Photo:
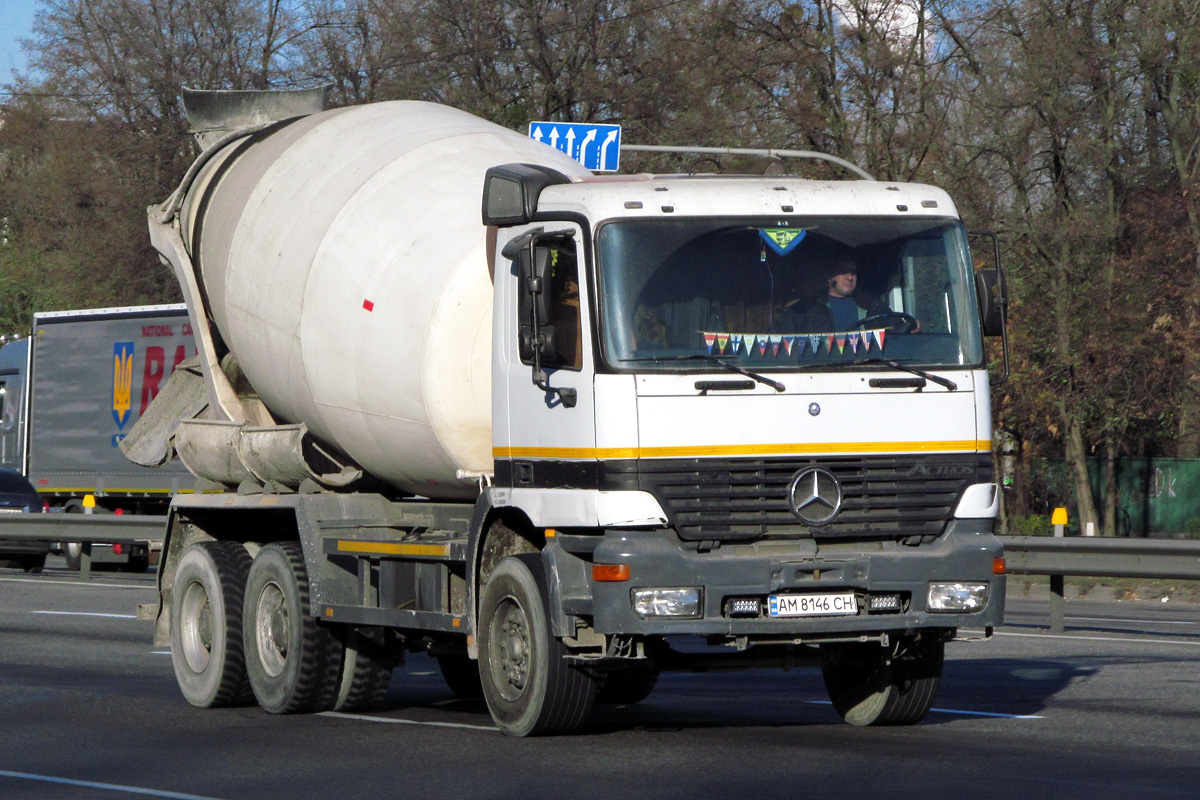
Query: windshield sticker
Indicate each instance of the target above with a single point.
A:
(782, 240)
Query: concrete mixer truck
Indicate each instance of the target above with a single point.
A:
(610, 427)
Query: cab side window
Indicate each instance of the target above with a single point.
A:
(562, 327)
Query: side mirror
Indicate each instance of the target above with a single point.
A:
(992, 291)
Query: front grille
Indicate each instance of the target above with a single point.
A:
(884, 497)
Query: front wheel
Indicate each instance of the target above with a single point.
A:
(870, 686)
(529, 686)
(294, 663)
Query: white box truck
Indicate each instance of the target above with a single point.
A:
(70, 392)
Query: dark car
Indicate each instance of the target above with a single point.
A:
(18, 495)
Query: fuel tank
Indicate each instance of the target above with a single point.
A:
(342, 259)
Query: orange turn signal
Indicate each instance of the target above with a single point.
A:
(998, 566)
(610, 572)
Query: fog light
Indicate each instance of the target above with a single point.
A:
(885, 602)
(744, 607)
(681, 602)
(949, 597)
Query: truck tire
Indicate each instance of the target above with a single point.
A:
(33, 564)
(869, 688)
(294, 663)
(627, 686)
(529, 686)
(461, 675)
(366, 673)
(137, 564)
(206, 624)
(73, 553)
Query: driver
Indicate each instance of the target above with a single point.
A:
(841, 307)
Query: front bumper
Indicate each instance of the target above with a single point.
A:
(966, 552)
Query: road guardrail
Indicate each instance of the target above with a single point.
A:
(87, 529)
(1059, 557)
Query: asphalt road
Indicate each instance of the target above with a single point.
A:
(89, 709)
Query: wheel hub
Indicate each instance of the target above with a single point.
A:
(513, 643)
(196, 627)
(272, 629)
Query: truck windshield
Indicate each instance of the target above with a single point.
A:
(786, 294)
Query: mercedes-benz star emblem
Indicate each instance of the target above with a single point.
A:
(815, 496)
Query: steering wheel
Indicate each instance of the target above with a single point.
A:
(894, 321)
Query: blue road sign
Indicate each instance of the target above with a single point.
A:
(597, 147)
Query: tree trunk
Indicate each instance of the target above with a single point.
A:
(1110, 487)
(1077, 463)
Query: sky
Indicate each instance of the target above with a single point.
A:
(16, 20)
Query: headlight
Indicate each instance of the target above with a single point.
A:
(950, 597)
(681, 602)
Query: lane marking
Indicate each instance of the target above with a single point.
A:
(953, 711)
(390, 721)
(1138, 621)
(85, 614)
(78, 583)
(1127, 640)
(112, 787)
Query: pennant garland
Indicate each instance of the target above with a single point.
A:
(733, 343)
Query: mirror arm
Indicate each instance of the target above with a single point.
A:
(568, 396)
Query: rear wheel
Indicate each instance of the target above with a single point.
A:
(366, 671)
(529, 686)
(206, 624)
(294, 664)
(870, 686)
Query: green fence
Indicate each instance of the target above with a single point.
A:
(1155, 496)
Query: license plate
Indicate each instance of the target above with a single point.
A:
(811, 605)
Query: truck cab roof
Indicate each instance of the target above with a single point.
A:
(603, 198)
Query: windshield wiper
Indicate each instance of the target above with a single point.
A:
(938, 379)
(711, 359)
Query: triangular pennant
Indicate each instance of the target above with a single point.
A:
(762, 344)
(800, 340)
(829, 343)
(722, 342)
(841, 343)
(735, 340)
(710, 339)
(777, 340)
(815, 341)
(879, 337)
(782, 240)
(854, 342)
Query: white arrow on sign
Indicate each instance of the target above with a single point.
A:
(587, 139)
(608, 140)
